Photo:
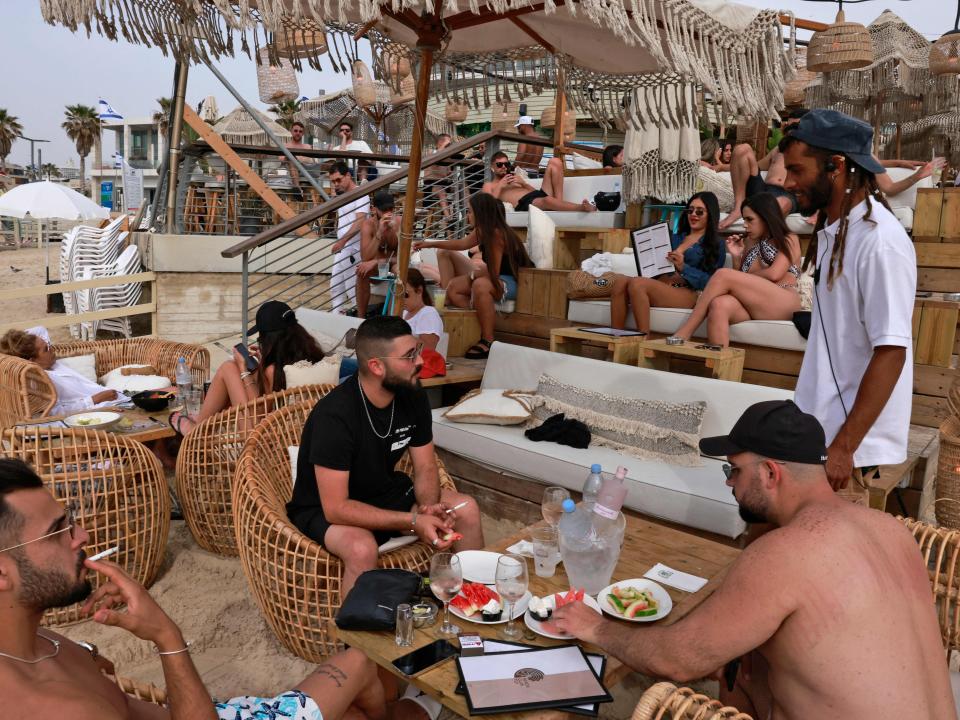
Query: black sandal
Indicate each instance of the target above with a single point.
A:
(480, 351)
(176, 425)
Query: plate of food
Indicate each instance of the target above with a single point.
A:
(481, 604)
(636, 600)
(540, 610)
(479, 566)
(92, 420)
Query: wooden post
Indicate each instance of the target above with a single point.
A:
(559, 110)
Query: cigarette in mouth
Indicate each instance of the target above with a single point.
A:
(456, 507)
(105, 554)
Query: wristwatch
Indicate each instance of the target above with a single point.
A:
(90, 648)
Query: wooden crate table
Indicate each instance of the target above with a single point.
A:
(935, 329)
(144, 426)
(569, 243)
(460, 371)
(645, 544)
(570, 340)
(463, 328)
(724, 364)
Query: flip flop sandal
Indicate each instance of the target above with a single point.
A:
(175, 420)
(479, 351)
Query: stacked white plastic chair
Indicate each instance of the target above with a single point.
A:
(87, 249)
(113, 296)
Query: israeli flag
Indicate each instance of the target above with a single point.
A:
(106, 112)
(117, 161)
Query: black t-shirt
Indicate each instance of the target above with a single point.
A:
(338, 436)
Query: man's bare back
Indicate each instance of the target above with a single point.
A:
(862, 638)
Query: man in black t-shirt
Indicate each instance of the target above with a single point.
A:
(348, 497)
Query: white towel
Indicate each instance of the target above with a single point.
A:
(597, 265)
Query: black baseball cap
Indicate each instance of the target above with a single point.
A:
(776, 429)
(272, 316)
(838, 132)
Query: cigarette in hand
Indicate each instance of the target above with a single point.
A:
(105, 554)
(455, 507)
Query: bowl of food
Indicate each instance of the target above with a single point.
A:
(153, 400)
(424, 614)
(93, 420)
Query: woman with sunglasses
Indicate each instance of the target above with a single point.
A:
(419, 312)
(765, 287)
(698, 252)
(482, 285)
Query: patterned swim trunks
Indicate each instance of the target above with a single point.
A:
(294, 705)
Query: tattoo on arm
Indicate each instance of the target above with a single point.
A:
(333, 672)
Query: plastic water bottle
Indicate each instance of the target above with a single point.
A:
(184, 381)
(575, 523)
(606, 510)
(591, 488)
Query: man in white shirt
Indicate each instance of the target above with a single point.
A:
(346, 139)
(350, 217)
(857, 371)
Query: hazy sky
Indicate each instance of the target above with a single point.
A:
(48, 67)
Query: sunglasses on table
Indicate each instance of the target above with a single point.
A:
(696, 211)
(69, 521)
(409, 357)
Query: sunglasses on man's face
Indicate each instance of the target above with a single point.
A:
(501, 164)
(698, 212)
(346, 130)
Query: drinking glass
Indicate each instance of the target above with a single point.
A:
(546, 550)
(552, 507)
(446, 579)
(512, 581)
(194, 399)
(383, 268)
(404, 629)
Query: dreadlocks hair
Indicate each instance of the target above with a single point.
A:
(856, 179)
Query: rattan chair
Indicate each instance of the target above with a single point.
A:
(140, 690)
(208, 458)
(666, 701)
(27, 393)
(940, 548)
(116, 488)
(295, 582)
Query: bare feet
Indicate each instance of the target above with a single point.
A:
(587, 206)
(729, 219)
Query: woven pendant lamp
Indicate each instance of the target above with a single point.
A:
(456, 112)
(276, 83)
(504, 116)
(296, 43)
(842, 46)
(364, 91)
(945, 52)
(548, 119)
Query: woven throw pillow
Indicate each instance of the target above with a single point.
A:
(304, 372)
(645, 429)
(491, 407)
(128, 384)
(86, 365)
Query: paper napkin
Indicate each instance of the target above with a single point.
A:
(674, 578)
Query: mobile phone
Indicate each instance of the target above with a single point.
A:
(247, 357)
(708, 346)
(420, 659)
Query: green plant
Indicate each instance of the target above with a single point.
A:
(10, 130)
(83, 127)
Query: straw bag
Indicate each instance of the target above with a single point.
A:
(581, 284)
(948, 474)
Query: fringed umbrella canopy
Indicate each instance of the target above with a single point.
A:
(940, 132)
(240, 128)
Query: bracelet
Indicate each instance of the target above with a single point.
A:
(244, 375)
(182, 650)
(413, 519)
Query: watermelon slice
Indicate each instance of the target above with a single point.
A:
(570, 597)
(472, 597)
(640, 608)
(464, 605)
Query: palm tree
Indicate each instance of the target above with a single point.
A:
(286, 112)
(10, 130)
(162, 116)
(83, 127)
(49, 170)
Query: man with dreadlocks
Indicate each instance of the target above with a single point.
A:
(857, 371)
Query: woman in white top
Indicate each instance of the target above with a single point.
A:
(419, 312)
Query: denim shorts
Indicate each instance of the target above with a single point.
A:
(509, 287)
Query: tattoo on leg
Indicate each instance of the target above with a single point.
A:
(333, 672)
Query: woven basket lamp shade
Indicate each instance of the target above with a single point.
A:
(456, 112)
(364, 90)
(300, 43)
(396, 66)
(945, 54)
(407, 94)
(276, 83)
(842, 46)
(548, 119)
(504, 115)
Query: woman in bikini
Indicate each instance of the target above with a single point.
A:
(698, 252)
(765, 287)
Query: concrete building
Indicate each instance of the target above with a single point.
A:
(142, 145)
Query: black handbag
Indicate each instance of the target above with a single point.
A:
(372, 603)
(801, 320)
(607, 201)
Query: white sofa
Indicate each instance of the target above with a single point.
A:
(578, 189)
(693, 496)
(334, 325)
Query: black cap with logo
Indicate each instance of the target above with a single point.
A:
(776, 429)
(273, 316)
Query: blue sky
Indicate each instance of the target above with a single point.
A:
(48, 67)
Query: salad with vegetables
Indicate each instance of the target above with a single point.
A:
(631, 602)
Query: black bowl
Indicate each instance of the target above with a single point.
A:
(152, 400)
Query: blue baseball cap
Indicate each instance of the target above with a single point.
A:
(838, 132)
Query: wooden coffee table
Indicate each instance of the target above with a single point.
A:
(570, 340)
(645, 544)
(724, 364)
(144, 426)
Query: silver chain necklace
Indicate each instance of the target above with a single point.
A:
(56, 651)
(363, 399)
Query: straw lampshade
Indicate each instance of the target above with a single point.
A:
(364, 90)
(504, 115)
(408, 92)
(396, 66)
(842, 46)
(300, 43)
(276, 83)
(456, 112)
(945, 52)
(548, 119)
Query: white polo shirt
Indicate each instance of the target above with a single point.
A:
(347, 215)
(870, 304)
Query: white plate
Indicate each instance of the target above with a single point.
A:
(537, 626)
(659, 594)
(100, 420)
(519, 608)
(479, 566)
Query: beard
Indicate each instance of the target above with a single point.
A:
(400, 385)
(816, 197)
(44, 589)
(752, 510)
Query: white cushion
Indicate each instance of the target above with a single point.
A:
(294, 452)
(907, 198)
(489, 407)
(129, 384)
(905, 216)
(324, 372)
(796, 224)
(765, 333)
(86, 365)
(604, 220)
(541, 233)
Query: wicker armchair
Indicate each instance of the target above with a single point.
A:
(295, 582)
(116, 488)
(940, 548)
(208, 458)
(140, 690)
(26, 392)
(665, 700)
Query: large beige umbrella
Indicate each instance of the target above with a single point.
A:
(240, 128)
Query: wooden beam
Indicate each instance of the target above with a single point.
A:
(62, 320)
(246, 173)
(41, 290)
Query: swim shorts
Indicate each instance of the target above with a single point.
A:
(293, 705)
(756, 184)
(523, 204)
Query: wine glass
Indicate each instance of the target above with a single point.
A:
(446, 579)
(552, 507)
(512, 581)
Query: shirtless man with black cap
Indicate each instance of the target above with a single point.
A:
(829, 615)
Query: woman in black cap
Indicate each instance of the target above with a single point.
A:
(282, 341)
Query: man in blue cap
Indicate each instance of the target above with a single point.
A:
(857, 371)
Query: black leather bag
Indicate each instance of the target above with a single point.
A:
(372, 603)
(607, 201)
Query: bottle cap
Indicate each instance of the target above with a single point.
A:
(595, 468)
(183, 360)
(569, 505)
